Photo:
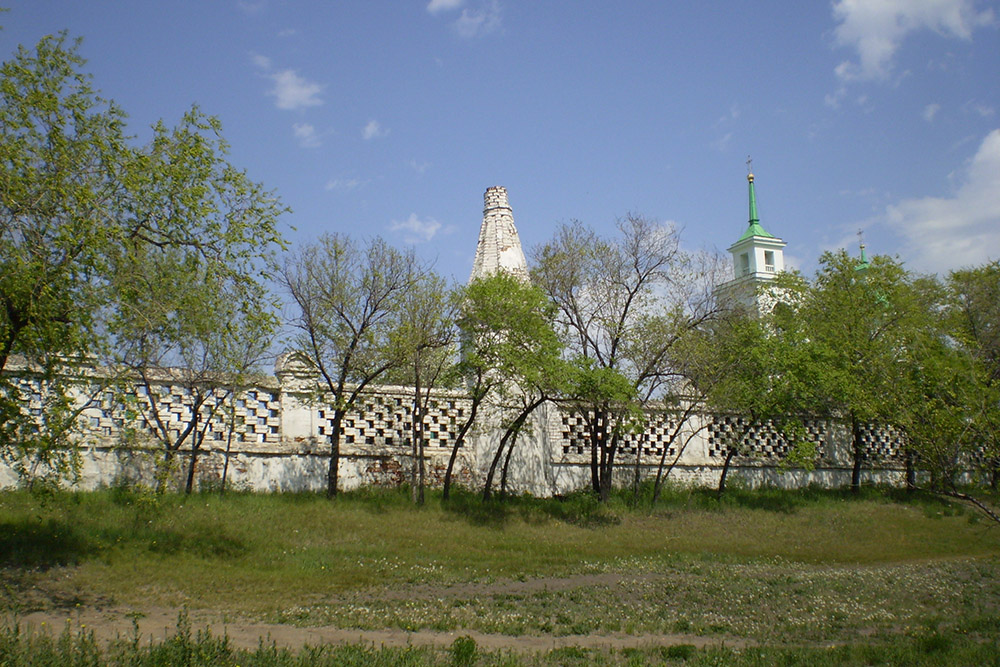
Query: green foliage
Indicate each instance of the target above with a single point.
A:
(510, 353)
(507, 333)
(622, 305)
(743, 366)
(974, 299)
(101, 240)
(973, 317)
(350, 301)
(464, 651)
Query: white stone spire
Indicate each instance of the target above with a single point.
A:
(499, 247)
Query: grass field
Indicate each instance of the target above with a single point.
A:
(803, 577)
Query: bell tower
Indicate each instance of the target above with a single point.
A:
(757, 257)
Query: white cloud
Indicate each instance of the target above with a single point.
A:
(420, 167)
(930, 111)
(343, 184)
(479, 21)
(306, 134)
(415, 229)
(435, 6)
(876, 28)
(833, 99)
(373, 130)
(290, 90)
(252, 7)
(722, 143)
(294, 92)
(287, 32)
(944, 233)
(978, 108)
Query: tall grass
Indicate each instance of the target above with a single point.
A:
(201, 649)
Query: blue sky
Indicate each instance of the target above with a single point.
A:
(393, 117)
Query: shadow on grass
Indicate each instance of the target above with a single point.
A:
(788, 501)
(42, 543)
(580, 509)
(202, 544)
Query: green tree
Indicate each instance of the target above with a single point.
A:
(974, 313)
(757, 374)
(184, 324)
(80, 204)
(974, 300)
(349, 301)
(506, 333)
(424, 338)
(622, 304)
(510, 357)
(950, 396)
(855, 321)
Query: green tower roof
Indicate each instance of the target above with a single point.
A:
(864, 264)
(754, 228)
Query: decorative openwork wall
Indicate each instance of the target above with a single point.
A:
(275, 435)
(386, 419)
(762, 440)
(575, 436)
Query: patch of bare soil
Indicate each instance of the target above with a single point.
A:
(158, 623)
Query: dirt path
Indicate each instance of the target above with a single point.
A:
(157, 624)
(108, 622)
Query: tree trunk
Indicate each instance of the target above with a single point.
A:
(515, 426)
(911, 473)
(857, 455)
(734, 450)
(662, 475)
(595, 448)
(416, 491)
(725, 471)
(331, 475)
(195, 445)
(659, 472)
(608, 468)
(487, 490)
(506, 461)
(638, 463)
(459, 441)
(229, 443)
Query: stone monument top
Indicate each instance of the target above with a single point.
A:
(499, 247)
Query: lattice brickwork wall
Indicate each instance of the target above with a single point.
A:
(764, 440)
(882, 443)
(387, 420)
(574, 435)
(255, 415)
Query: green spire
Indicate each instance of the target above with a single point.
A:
(754, 229)
(863, 265)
